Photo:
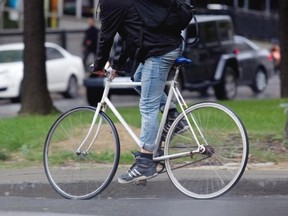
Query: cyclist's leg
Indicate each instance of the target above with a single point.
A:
(173, 113)
(153, 75)
(137, 78)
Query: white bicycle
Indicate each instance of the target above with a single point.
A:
(82, 149)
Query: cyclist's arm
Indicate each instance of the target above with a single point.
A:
(111, 21)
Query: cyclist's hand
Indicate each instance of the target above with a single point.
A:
(114, 74)
(100, 73)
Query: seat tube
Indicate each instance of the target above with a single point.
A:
(164, 115)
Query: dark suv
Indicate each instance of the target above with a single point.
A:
(214, 63)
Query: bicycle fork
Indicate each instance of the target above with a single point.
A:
(80, 150)
(100, 106)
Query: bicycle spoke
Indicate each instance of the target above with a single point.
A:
(81, 173)
(224, 152)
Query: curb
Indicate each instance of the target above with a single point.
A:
(258, 180)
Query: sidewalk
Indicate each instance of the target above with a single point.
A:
(258, 179)
(37, 174)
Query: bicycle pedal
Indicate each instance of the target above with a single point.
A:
(140, 182)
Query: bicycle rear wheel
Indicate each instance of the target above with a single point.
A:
(215, 171)
(81, 174)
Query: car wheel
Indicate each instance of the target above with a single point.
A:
(94, 95)
(260, 81)
(72, 89)
(227, 88)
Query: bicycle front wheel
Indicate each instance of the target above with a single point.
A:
(220, 164)
(81, 173)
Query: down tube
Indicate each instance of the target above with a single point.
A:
(123, 122)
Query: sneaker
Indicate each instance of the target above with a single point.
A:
(144, 168)
(182, 125)
(136, 154)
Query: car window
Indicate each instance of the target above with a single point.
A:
(7, 56)
(52, 53)
(209, 33)
(225, 31)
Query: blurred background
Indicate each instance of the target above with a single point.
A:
(66, 20)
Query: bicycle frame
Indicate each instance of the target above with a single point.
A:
(173, 91)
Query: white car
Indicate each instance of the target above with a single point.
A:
(65, 72)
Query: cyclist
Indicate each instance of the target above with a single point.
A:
(156, 51)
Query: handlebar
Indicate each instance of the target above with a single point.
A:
(108, 71)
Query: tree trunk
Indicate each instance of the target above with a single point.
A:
(35, 98)
(283, 25)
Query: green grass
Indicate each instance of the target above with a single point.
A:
(261, 116)
(22, 138)
(265, 122)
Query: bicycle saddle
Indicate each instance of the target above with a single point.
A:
(182, 60)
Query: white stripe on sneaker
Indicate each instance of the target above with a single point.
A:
(137, 172)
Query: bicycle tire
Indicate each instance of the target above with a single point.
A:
(214, 172)
(81, 175)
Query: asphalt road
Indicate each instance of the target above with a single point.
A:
(228, 206)
(262, 191)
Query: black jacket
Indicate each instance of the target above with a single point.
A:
(121, 17)
(91, 34)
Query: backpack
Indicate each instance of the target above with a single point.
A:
(175, 14)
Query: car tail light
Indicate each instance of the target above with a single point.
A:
(236, 51)
(270, 57)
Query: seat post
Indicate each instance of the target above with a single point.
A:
(176, 73)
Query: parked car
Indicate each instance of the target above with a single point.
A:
(65, 72)
(256, 64)
(220, 60)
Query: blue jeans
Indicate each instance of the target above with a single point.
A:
(153, 76)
